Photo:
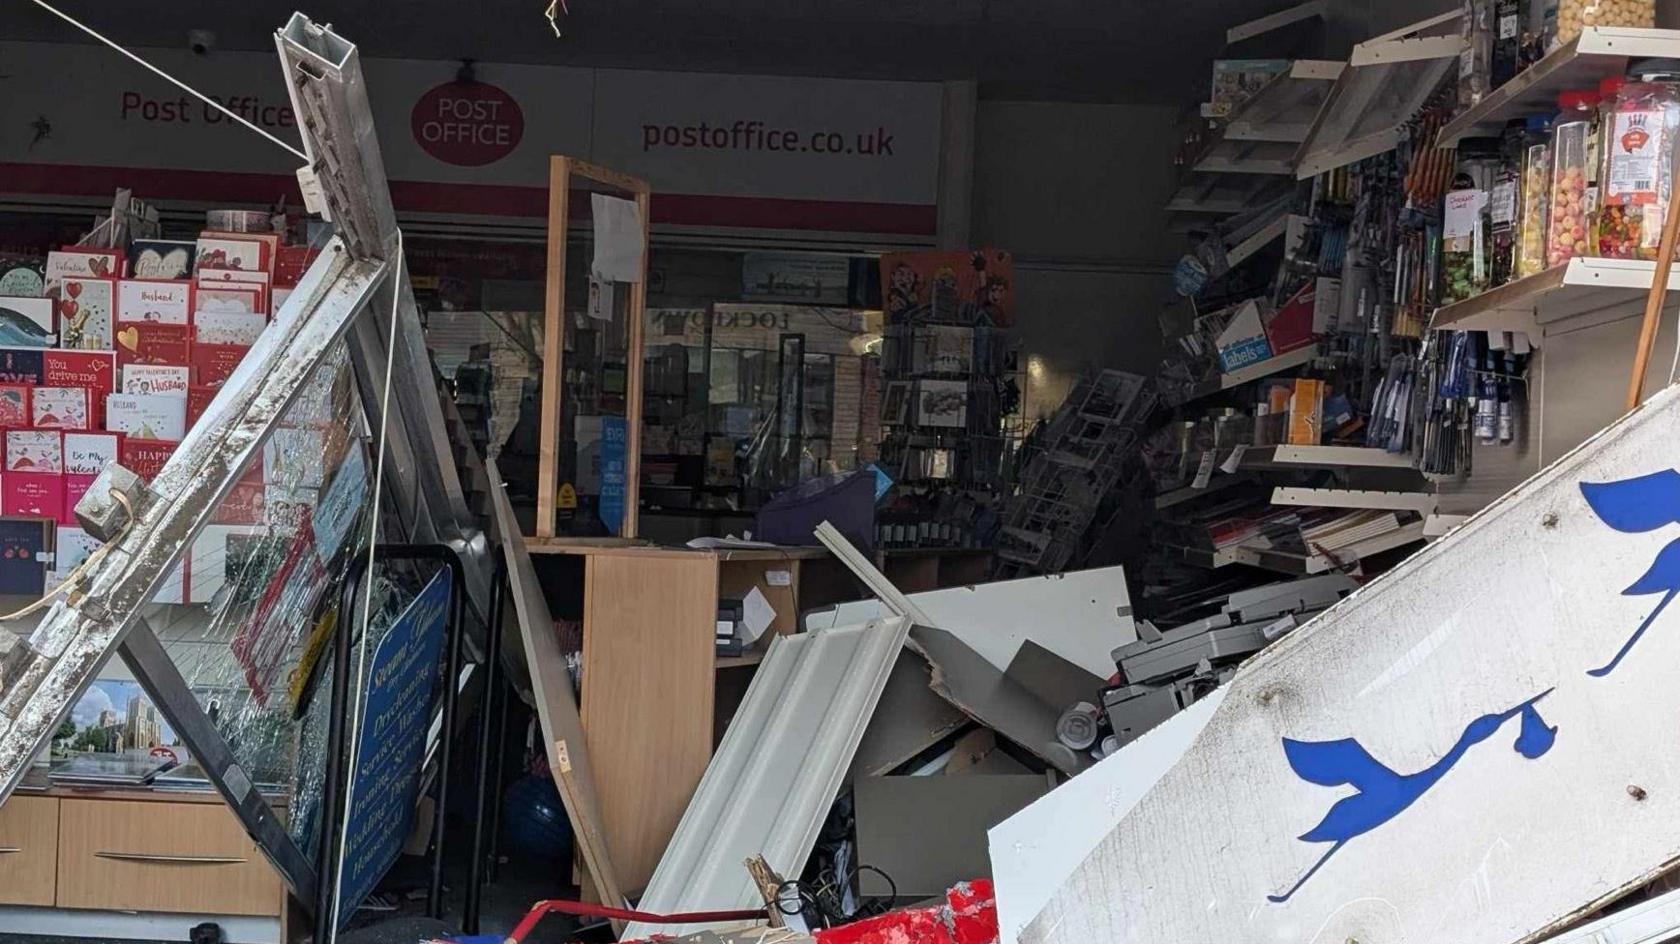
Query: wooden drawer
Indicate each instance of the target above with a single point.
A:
(28, 850)
(190, 858)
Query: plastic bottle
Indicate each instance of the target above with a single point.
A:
(1567, 216)
(1536, 196)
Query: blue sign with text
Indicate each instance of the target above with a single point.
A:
(400, 688)
(613, 441)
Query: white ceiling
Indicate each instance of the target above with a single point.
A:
(1065, 50)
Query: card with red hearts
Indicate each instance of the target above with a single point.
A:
(86, 313)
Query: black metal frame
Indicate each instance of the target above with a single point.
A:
(333, 791)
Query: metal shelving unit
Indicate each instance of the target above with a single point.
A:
(1599, 52)
(1388, 78)
(1579, 289)
(1284, 562)
(1256, 371)
(1179, 496)
(1284, 109)
(1324, 457)
(1421, 502)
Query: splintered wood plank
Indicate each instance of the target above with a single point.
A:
(648, 677)
(557, 711)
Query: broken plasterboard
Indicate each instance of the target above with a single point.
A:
(1406, 766)
(1081, 616)
(551, 689)
(929, 833)
(1051, 678)
(909, 719)
(778, 770)
(981, 690)
(1034, 851)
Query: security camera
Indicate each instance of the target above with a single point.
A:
(201, 42)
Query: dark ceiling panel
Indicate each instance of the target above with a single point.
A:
(1072, 50)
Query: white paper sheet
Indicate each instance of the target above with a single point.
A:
(618, 239)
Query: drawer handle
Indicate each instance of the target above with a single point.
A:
(171, 859)
(4, 850)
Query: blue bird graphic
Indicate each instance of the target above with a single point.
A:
(1383, 793)
(1635, 505)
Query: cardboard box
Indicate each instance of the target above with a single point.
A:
(1306, 413)
(1243, 342)
(1291, 326)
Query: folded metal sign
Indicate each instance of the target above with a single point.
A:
(1473, 748)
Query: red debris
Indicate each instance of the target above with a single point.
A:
(969, 916)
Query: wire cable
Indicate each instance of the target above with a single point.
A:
(168, 78)
(354, 734)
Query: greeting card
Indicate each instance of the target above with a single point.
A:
(226, 297)
(154, 300)
(73, 547)
(95, 370)
(86, 263)
(86, 309)
(27, 322)
(36, 494)
(198, 400)
(34, 450)
(26, 545)
(291, 262)
(231, 251)
(14, 405)
(227, 327)
(154, 344)
(22, 365)
(75, 486)
(246, 503)
(162, 258)
(88, 452)
(154, 416)
(21, 278)
(216, 560)
(156, 378)
(277, 297)
(145, 457)
(60, 408)
(237, 278)
(215, 363)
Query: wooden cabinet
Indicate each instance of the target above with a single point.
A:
(145, 855)
(28, 850)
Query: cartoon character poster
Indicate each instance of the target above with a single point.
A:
(957, 287)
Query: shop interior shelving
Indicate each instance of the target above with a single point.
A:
(1599, 52)
(1568, 294)
(1256, 371)
(1387, 79)
(1355, 498)
(1286, 562)
(1260, 158)
(1218, 483)
(1312, 9)
(1283, 109)
(1323, 457)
